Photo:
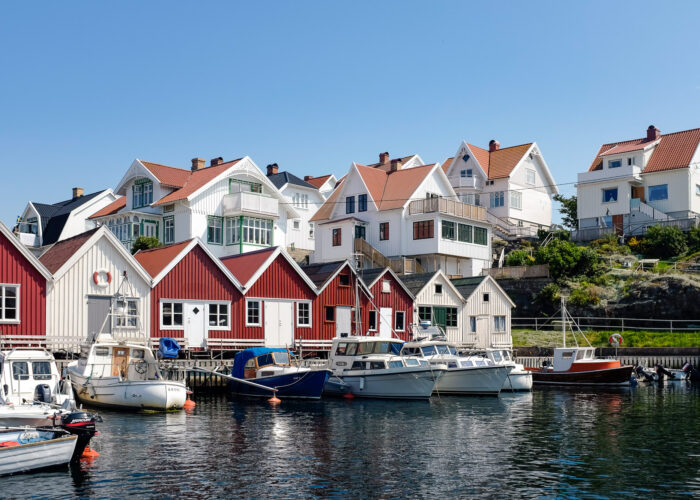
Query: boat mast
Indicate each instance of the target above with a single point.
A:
(563, 320)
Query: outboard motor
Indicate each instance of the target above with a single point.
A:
(42, 393)
(661, 372)
(643, 374)
(691, 373)
(82, 424)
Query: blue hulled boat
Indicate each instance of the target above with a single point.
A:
(275, 368)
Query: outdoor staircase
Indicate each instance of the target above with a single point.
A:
(653, 214)
(400, 265)
(507, 231)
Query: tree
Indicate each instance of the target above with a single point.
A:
(144, 243)
(664, 242)
(566, 260)
(568, 210)
(519, 257)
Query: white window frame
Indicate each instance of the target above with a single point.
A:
(396, 315)
(530, 176)
(17, 320)
(163, 326)
(697, 189)
(299, 324)
(209, 327)
(386, 286)
(260, 312)
(296, 224)
(169, 219)
(116, 320)
(610, 162)
(516, 200)
(499, 324)
(369, 323)
(472, 324)
(435, 285)
(617, 194)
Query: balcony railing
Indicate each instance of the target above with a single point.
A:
(449, 207)
(247, 203)
(467, 182)
(29, 239)
(626, 172)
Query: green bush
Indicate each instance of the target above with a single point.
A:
(561, 234)
(519, 258)
(693, 238)
(583, 297)
(549, 295)
(664, 242)
(144, 243)
(566, 260)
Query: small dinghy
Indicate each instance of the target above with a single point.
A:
(28, 449)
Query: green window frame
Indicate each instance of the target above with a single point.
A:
(232, 227)
(256, 231)
(480, 236)
(464, 233)
(255, 187)
(142, 193)
(215, 230)
(451, 317)
(169, 229)
(448, 230)
(425, 313)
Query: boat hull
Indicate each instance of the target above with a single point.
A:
(485, 380)
(29, 415)
(607, 376)
(34, 456)
(111, 392)
(335, 387)
(518, 380)
(299, 385)
(417, 384)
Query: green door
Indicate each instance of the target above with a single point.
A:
(439, 317)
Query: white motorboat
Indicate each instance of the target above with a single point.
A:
(372, 368)
(519, 379)
(27, 449)
(465, 375)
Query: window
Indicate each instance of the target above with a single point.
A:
(330, 314)
(218, 315)
(516, 199)
(530, 176)
(422, 230)
(296, 224)
(609, 195)
(142, 193)
(20, 370)
(486, 297)
(614, 163)
(464, 233)
(233, 231)
(304, 314)
(480, 236)
(499, 323)
(9, 303)
(472, 324)
(344, 280)
(168, 229)
(386, 286)
(360, 232)
(438, 288)
(463, 173)
(362, 203)
(448, 230)
(697, 189)
(383, 231)
(171, 314)
(451, 317)
(127, 313)
(400, 321)
(252, 314)
(41, 370)
(311, 230)
(659, 192)
(168, 208)
(372, 323)
(257, 231)
(607, 220)
(630, 161)
(425, 313)
(350, 205)
(237, 186)
(497, 199)
(337, 237)
(214, 230)
(465, 157)
(300, 200)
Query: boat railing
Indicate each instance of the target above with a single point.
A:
(314, 363)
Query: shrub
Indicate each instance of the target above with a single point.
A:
(583, 297)
(635, 245)
(664, 242)
(144, 243)
(566, 260)
(693, 237)
(549, 295)
(519, 258)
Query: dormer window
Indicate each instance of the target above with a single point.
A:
(465, 157)
(614, 163)
(142, 193)
(630, 161)
(466, 173)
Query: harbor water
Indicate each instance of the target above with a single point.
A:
(641, 442)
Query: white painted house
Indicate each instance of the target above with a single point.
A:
(231, 206)
(404, 214)
(514, 184)
(325, 184)
(637, 183)
(87, 271)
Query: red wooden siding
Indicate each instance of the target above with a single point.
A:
(397, 300)
(16, 269)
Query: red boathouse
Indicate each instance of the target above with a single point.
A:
(390, 311)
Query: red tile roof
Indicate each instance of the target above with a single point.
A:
(110, 209)
(446, 164)
(673, 151)
(500, 163)
(624, 148)
(168, 176)
(387, 166)
(326, 210)
(63, 250)
(245, 265)
(195, 181)
(157, 259)
(317, 182)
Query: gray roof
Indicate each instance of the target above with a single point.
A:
(54, 216)
(282, 178)
(466, 286)
(369, 275)
(416, 282)
(319, 273)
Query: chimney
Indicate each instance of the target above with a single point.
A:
(494, 145)
(198, 164)
(272, 169)
(653, 133)
(216, 161)
(396, 164)
(384, 158)
(77, 192)
(307, 178)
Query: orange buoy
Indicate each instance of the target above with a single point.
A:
(89, 453)
(348, 395)
(274, 400)
(189, 404)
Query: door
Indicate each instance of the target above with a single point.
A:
(279, 323)
(120, 361)
(98, 309)
(194, 324)
(343, 320)
(385, 322)
(617, 222)
(638, 192)
(150, 229)
(440, 317)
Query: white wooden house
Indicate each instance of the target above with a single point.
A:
(87, 271)
(324, 183)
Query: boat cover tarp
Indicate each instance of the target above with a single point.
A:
(168, 348)
(396, 347)
(242, 357)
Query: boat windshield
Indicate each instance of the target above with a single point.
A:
(497, 356)
(265, 360)
(41, 370)
(467, 364)
(412, 362)
(282, 358)
(443, 349)
(395, 364)
(376, 348)
(453, 350)
(506, 355)
(429, 350)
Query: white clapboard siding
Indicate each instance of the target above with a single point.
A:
(498, 305)
(448, 298)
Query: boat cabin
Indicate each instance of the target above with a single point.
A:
(256, 362)
(119, 359)
(575, 359)
(31, 375)
(344, 349)
(381, 363)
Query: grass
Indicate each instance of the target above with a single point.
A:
(599, 338)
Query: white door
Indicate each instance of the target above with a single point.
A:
(385, 322)
(194, 324)
(343, 321)
(279, 324)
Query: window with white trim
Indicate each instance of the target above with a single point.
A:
(252, 313)
(372, 322)
(218, 315)
(516, 200)
(168, 229)
(171, 314)
(400, 321)
(214, 230)
(386, 286)
(499, 323)
(610, 195)
(233, 230)
(497, 199)
(9, 303)
(530, 176)
(697, 189)
(304, 314)
(614, 163)
(472, 324)
(127, 313)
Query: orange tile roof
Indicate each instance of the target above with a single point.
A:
(317, 182)
(110, 209)
(245, 265)
(168, 176)
(500, 163)
(446, 164)
(195, 181)
(157, 259)
(387, 166)
(59, 254)
(674, 150)
(326, 210)
(624, 148)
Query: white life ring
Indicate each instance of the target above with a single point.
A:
(616, 338)
(102, 283)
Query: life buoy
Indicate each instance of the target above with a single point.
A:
(616, 338)
(102, 283)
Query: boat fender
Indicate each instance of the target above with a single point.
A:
(107, 280)
(362, 383)
(616, 338)
(7, 444)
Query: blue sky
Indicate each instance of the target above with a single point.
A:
(88, 87)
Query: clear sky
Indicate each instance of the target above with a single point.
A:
(87, 87)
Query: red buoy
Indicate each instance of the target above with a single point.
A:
(189, 404)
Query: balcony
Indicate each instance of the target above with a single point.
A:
(29, 239)
(467, 182)
(448, 207)
(247, 203)
(625, 173)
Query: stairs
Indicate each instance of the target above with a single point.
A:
(400, 265)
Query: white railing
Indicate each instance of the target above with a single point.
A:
(29, 239)
(252, 203)
(449, 207)
(467, 182)
(624, 172)
(648, 210)
(599, 323)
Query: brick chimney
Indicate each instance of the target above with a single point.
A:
(307, 178)
(653, 133)
(384, 158)
(494, 145)
(272, 169)
(216, 161)
(198, 164)
(396, 164)
(78, 192)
